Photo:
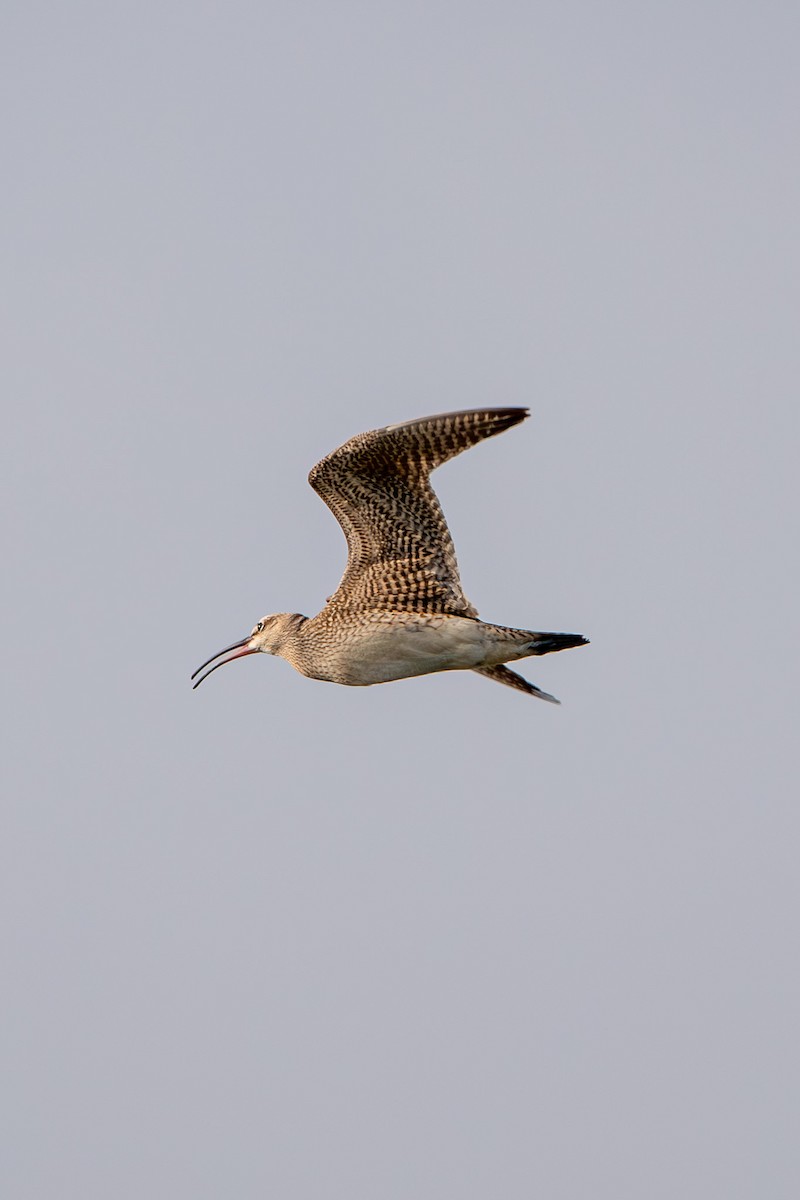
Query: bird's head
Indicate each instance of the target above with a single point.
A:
(266, 637)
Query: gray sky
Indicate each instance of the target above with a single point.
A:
(278, 938)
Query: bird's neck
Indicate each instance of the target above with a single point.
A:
(291, 625)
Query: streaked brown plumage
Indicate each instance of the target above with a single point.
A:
(400, 609)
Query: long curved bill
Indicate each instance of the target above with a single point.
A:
(236, 646)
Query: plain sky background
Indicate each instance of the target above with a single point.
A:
(433, 939)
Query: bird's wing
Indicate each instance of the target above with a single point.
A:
(401, 556)
(511, 679)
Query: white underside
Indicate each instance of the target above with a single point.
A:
(386, 651)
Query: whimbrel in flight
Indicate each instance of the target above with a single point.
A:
(400, 609)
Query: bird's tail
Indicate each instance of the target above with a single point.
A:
(520, 643)
(511, 644)
(547, 643)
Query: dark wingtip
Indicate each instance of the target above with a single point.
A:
(504, 418)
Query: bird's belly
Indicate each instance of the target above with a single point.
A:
(393, 649)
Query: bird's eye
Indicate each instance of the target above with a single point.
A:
(259, 626)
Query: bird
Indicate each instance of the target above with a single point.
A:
(399, 610)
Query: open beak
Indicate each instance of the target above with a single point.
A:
(243, 650)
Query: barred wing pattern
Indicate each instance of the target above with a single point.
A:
(401, 555)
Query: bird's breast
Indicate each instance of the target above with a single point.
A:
(380, 647)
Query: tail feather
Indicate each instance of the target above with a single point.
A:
(511, 679)
(547, 643)
(529, 643)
